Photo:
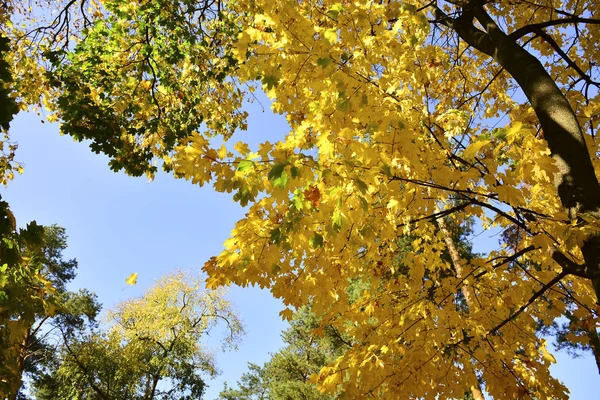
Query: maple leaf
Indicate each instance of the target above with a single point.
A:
(313, 195)
(132, 279)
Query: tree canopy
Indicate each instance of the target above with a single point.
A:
(36, 309)
(152, 349)
(401, 113)
(286, 375)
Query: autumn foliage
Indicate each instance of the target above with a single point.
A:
(404, 117)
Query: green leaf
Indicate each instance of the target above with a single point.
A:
(270, 81)
(387, 170)
(298, 200)
(294, 171)
(278, 176)
(361, 186)
(324, 62)
(316, 241)
(364, 204)
(412, 9)
(337, 219)
(343, 103)
(335, 10)
(501, 134)
(245, 165)
(276, 236)
(243, 195)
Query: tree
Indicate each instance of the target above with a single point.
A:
(152, 349)
(252, 385)
(34, 301)
(21, 286)
(310, 345)
(286, 374)
(7, 104)
(71, 313)
(400, 113)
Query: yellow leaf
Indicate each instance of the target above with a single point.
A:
(510, 195)
(514, 129)
(548, 356)
(332, 380)
(222, 153)
(132, 280)
(242, 148)
(474, 148)
(331, 35)
(286, 314)
(393, 203)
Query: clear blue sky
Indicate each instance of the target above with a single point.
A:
(118, 225)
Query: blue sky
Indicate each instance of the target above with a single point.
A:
(118, 225)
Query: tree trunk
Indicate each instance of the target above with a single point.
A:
(576, 181)
(466, 290)
(595, 345)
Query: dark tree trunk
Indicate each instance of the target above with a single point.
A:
(576, 182)
(595, 345)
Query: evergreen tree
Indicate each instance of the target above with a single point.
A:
(308, 348)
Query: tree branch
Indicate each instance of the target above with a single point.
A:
(569, 267)
(533, 298)
(463, 25)
(519, 33)
(566, 57)
(88, 376)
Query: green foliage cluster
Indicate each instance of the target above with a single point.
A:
(8, 105)
(8, 109)
(285, 375)
(36, 309)
(151, 350)
(145, 77)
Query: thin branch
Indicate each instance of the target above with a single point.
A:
(566, 58)
(438, 214)
(88, 376)
(519, 33)
(533, 298)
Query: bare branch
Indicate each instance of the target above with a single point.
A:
(533, 28)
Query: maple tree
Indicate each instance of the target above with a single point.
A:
(311, 345)
(152, 349)
(400, 114)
